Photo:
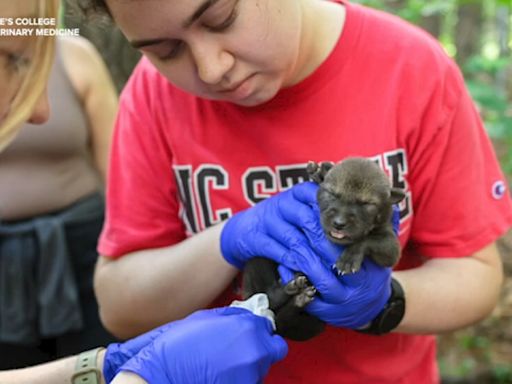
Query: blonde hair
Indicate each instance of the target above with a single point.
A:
(35, 80)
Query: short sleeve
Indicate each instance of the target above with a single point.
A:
(460, 197)
(142, 208)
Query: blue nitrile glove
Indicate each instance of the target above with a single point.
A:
(273, 228)
(349, 301)
(119, 353)
(228, 345)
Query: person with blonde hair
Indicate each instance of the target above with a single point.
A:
(51, 214)
(51, 195)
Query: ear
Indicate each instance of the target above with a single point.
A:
(397, 195)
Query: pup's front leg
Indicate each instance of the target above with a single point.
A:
(351, 259)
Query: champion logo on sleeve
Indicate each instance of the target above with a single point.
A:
(498, 189)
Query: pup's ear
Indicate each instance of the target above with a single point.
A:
(397, 195)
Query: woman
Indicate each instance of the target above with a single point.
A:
(51, 213)
(230, 102)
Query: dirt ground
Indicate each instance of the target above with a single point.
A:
(482, 354)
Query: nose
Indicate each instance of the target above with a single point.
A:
(41, 112)
(212, 61)
(339, 223)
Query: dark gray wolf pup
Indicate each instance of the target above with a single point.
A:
(355, 200)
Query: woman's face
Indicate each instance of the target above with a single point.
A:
(241, 51)
(15, 58)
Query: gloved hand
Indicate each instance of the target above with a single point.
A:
(274, 228)
(224, 345)
(349, 301)
(119, 353)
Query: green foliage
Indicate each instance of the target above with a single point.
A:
(482, 75)
(412, 10)
(485, 73)
(502, 374)
(470, 341)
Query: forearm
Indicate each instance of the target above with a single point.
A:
(448, 294)
(56, 372)
(128, 378)
(148, 288)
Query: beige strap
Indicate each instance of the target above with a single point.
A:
(86, 371)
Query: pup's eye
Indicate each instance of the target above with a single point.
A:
(331, 211)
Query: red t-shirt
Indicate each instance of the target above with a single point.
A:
(387, 91)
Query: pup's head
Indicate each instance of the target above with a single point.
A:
(354, 198)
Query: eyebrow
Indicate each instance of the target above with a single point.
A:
(196, 15)
(144, 43)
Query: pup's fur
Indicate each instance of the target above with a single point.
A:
(355, 199)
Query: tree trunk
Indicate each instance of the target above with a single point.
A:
(432, 24)
(395, 5)
(119, 56)
(504, 77)
(468, 31)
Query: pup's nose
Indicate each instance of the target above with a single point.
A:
(339, 223)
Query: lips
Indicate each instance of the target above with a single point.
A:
(234, 86)
(231, 89)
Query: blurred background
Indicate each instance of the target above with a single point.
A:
(477, 34)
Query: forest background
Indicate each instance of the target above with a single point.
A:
(477, 34)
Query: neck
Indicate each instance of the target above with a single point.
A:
(322, 25)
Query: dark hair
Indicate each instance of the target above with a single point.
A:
(94, 6)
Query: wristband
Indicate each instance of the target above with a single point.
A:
(392, 314)
(86, 371)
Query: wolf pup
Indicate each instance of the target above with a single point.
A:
(355, 200)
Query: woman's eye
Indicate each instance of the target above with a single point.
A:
(17, 62)
(173, 52)
(226, 23)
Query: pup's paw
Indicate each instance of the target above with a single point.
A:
(305, 297)
(350, 261)
(297, 285)
(301, 290)
(313, 171)
(317, 171)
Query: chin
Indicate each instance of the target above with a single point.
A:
(257, 98)
(250, 102)
(340, 241)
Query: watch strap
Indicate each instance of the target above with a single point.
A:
(86, 370)
(392, 313)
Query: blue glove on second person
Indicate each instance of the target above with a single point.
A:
(119, 353)
(223, 345)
